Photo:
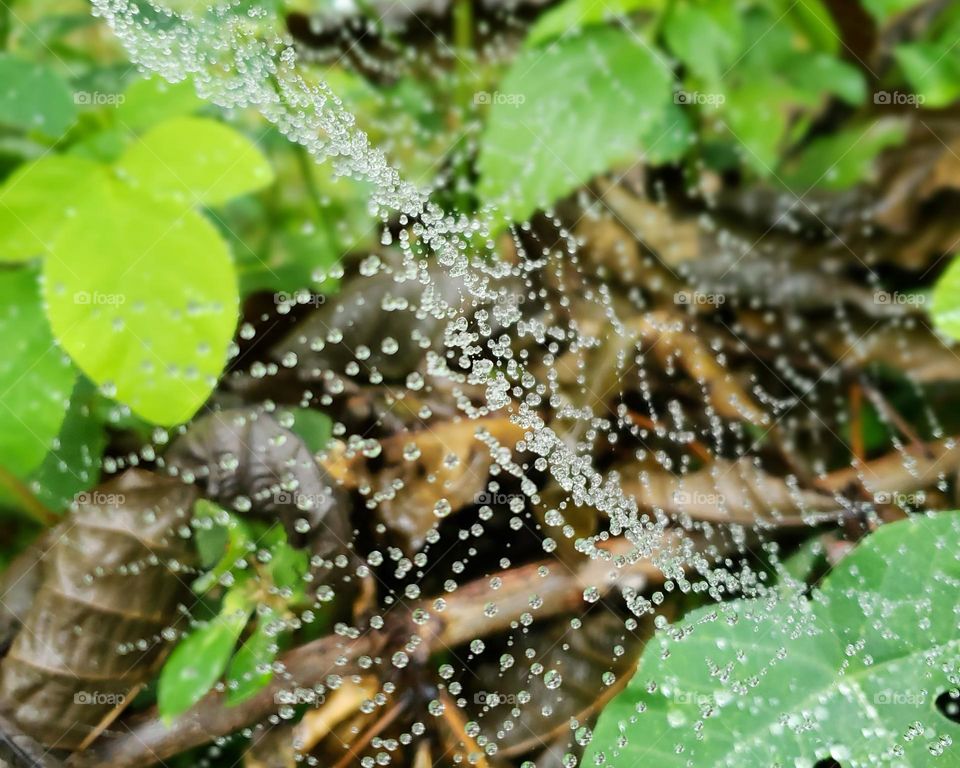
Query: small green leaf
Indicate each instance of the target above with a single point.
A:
(796, 682)
(882, 10)
(599, 91)
(932, 70)
(148, 102)
(844, 158)
(573, 15)
(195, 161)
(34, 98)
(201, 657)
(73, 464)
(705, 36)
(244, 677)
(143, 296)
(313, 427)
(38, 199)
(36, 377)
(945, 306)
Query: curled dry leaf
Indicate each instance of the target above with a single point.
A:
(89, 639)
(247, 462)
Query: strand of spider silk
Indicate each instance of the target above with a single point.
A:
(234, 67)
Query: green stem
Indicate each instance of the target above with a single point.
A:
(463, 43)
(28, 502)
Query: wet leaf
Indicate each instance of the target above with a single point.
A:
(244, 457)
(38, 199)
(866, 657)
(151, 323)
(150, 101)
(34, 97)
(601, 88)
(201, 657)
(78, 657)
(243, 675)
(195, 161)
(35, 376)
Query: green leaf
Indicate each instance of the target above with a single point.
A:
(882, 10)
(817, 74)
(244, 677)
(148, 102)
(945, 306)
(34, 98)
(36, 377)
(143, 296)
(73, 463)
(844, 158)
(815, 22)
(792, 682)
(38, 199)
(573, 15)
(932, 70)
(705, 36)
(201, 657)
(195, 161)
(565, 114)
(313, 427)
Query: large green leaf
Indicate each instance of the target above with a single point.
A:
(35, 375)
(143, 295)
(39, 198)
(564, 114)
(195, 161)
(932, 69)
(852, 675)
(201, 657)
(34, 98)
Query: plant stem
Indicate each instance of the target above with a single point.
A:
(29, 503)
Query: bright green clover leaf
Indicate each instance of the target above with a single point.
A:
(195, 161)
(794, 682)
(945, 307)
(201, 657)
(143, 295)
(148, 102)
(34, 98)
(36, 377)
(567, 113)
(243, 675)
(39, 198)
